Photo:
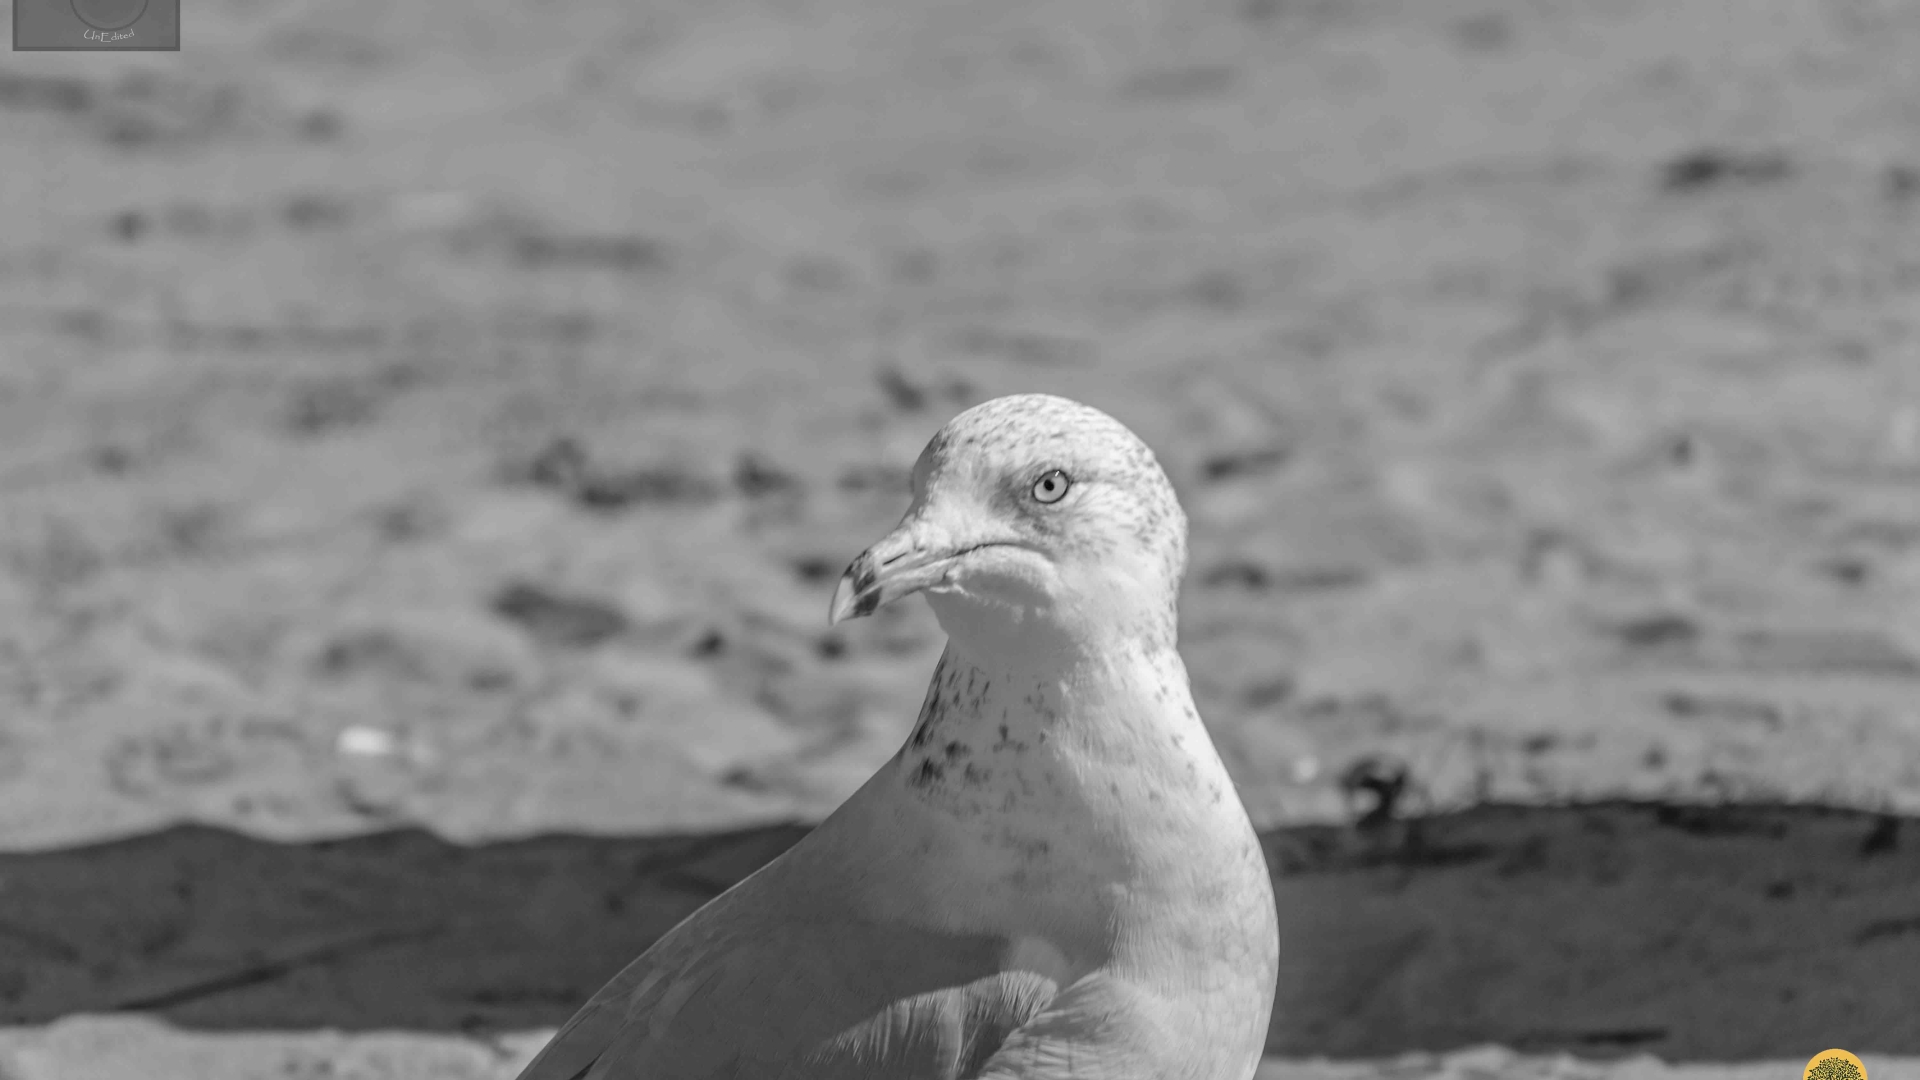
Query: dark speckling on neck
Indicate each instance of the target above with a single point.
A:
(942, 752)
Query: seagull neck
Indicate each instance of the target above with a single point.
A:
(1054, 791)
(1023, 738)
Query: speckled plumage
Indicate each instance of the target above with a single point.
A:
(1053, 877)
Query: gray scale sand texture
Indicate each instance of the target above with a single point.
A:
(393, 404)
(130, 1048)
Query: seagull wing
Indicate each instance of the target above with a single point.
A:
(1106, 1027)
(742, 990)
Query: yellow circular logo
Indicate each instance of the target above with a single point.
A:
(1834, 1065)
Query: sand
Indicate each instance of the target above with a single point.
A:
(457, 423)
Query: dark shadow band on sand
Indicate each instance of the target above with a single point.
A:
(1689, 932)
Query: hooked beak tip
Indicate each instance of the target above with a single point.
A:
(857, 594)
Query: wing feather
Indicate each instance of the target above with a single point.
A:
(747, 990)
(1098, 1027)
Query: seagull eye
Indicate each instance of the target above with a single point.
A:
(1052, 487)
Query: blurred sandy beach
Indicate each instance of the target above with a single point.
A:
(454, 417)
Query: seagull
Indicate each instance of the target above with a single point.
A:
(1053, 879)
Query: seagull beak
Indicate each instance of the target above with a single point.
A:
(909, 560)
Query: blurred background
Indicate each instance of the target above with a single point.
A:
(430, 434)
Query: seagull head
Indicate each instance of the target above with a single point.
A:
(1035, 521)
